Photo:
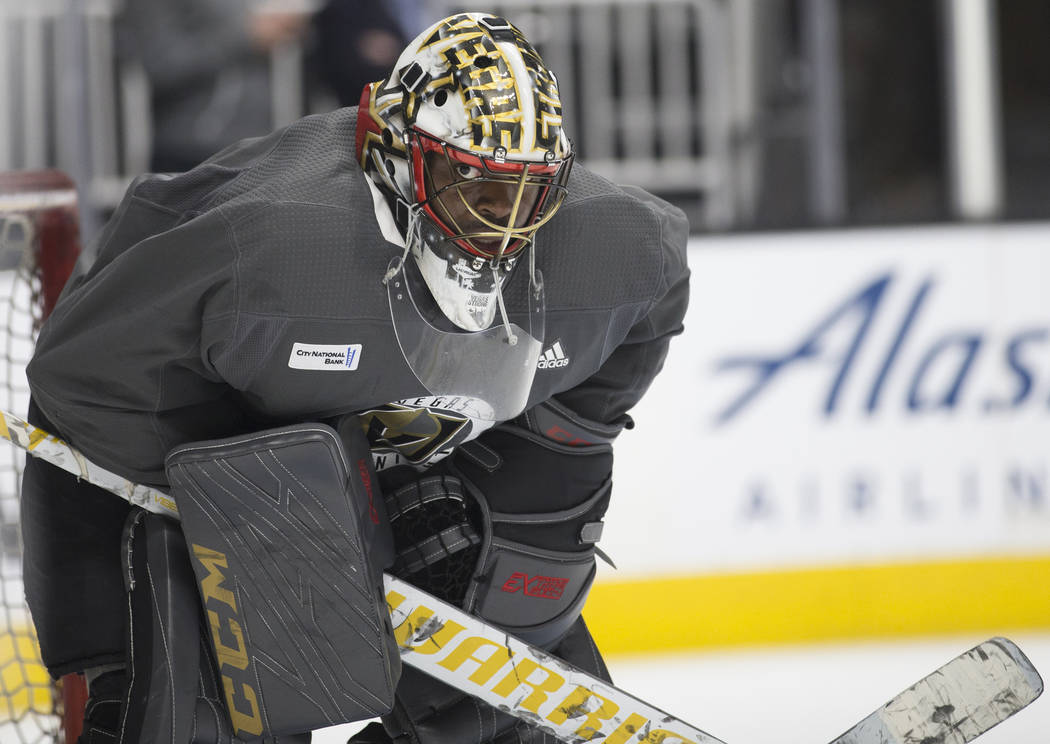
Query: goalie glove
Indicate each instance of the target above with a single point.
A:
(509, 533)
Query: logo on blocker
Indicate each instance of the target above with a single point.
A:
(553, 357)
(546, 587)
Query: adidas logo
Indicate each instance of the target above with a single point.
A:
(553, 357)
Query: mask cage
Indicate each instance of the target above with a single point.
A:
(542, 183)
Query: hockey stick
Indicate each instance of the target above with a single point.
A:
(953, 705)
(956, 703)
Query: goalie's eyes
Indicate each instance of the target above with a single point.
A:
(467, 172)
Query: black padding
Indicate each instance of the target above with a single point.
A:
(103, 708)
(436, 536)
(542, 507)
(541, 494)
(71, 564)
(536, 595)
(164, 632)
(288, 538)
(559, 423)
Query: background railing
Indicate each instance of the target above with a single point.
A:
(67, 103)
(660, 93)
(646, 89)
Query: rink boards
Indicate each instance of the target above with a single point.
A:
(849, 440)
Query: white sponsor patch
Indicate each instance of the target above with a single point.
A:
(325, 356)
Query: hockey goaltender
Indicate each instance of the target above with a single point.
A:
(493, 312)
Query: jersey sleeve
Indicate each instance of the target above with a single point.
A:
(621, 381)
(123, 366)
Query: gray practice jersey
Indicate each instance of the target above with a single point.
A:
(206, 284)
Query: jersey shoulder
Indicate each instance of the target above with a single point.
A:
(290, 213)
(613, 244)
(310, 161)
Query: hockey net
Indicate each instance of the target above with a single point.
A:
(39, 244)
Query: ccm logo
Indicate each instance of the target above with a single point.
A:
(227, 635)
(546, 587)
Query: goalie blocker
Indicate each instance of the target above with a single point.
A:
(288, 539)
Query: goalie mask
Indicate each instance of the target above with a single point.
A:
(465, 139)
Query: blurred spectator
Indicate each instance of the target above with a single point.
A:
(1025, 77)
(893, 96)
(415, 15)
(892, 112)
(358, 42)
(208, 66)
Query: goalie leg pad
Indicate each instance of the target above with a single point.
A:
(163, 632)
(288, 541)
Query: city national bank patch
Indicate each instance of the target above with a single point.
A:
(331, 357)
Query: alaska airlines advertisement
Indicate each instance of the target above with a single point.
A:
(846, 397)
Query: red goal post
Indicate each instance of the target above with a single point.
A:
(39, 246)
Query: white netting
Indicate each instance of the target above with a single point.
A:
(28, 700)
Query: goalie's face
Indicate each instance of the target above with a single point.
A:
(476, 207)
(489, 207)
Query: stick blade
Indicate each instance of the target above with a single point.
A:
(958, 702)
